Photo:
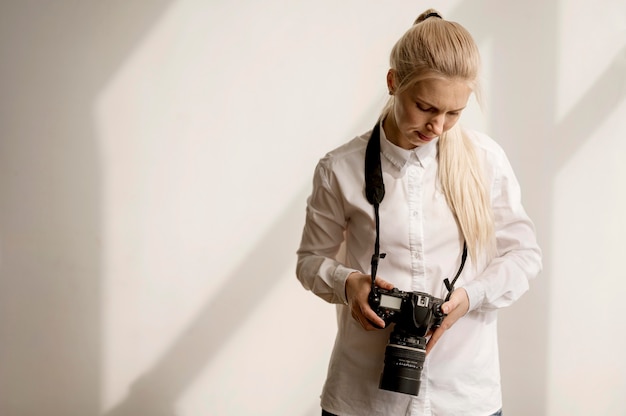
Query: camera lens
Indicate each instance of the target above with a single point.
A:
(404, 361)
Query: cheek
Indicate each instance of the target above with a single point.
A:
(418, 118)
(410, 116)
(399, 113)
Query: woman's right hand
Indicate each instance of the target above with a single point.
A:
(358, 286)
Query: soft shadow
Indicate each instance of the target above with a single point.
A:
(156, 391)
(598, 102)
(54, 59)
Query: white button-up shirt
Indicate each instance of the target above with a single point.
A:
(423, 246)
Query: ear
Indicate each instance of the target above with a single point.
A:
(391, 86)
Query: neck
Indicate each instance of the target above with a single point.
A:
(393, 134)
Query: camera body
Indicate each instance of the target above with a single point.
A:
(414, 314)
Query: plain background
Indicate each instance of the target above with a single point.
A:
(156, 156)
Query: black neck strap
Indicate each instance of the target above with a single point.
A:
(375, 192)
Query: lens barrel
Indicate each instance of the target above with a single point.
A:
(404, 361)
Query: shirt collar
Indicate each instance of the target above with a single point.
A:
(399, 157)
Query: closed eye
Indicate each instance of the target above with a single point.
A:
(426, 109)
(434, 110)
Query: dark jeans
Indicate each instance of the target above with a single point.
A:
(325, 413)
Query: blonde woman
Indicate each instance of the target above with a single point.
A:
(457, 242)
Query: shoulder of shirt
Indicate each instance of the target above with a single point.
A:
(485, 143)
(347, 152)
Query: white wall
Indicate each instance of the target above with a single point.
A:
(155, 158)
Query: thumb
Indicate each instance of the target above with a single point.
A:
(449, 306)
(458, 299)
(383, 283)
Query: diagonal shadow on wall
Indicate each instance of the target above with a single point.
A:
(157, 391)
(55, 58)
(598, 102)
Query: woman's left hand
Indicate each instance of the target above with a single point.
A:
(455, 308)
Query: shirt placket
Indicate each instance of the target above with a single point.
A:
(415, 177)
(415, 174)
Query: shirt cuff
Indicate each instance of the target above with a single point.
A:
(475, 293)
(339, 279)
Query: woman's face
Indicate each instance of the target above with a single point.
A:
(426, 110)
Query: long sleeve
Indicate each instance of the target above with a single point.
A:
(317, 267)
(518, 257)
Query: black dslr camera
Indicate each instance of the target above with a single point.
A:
(414, 314)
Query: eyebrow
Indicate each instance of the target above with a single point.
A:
(421, 101)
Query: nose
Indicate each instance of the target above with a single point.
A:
(435, 124)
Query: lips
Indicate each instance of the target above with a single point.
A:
(425, 138)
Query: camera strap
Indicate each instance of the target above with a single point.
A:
(375, 192)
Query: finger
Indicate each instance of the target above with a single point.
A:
(371, 316)
(368, 322)
(434, 338)
(367, 325)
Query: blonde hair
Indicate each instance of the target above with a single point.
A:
(434, 47)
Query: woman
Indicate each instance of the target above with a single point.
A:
(447, 192)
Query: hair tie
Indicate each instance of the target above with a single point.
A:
(433, 14)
